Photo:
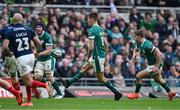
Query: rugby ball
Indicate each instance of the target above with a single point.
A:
(56, 53)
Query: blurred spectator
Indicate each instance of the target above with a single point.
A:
(118, 78)
(148, 23)
(115, 46)
(116, 34)
(168, 58)
(135, 16)
(175, 31)
(107, 71)
(64, 68)
(160, 27)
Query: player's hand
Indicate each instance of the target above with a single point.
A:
(154, 68)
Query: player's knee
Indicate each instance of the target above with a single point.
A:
(50, 78)
(102, 79)
(14, 80)
(49, 75)
(138, 76)
(38, 74)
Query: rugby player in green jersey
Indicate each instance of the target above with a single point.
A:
(45, 63)
(155, 61)
(97, 51)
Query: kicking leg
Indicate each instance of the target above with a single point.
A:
(109, 85)
(79, 75)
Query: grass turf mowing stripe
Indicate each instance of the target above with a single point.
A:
(93, 104)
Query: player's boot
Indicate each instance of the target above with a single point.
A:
(27, 104)
(133, 96)
(65, 83)
(49, 88)
(171, 95)
(58, 97)
(117, 96)
(19, 98)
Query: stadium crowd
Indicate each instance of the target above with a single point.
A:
(69, 33)
(171, 3)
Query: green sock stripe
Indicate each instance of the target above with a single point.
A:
(109, 85)
(138, 87)
(52, 63)
(166, 87)
(56, 87)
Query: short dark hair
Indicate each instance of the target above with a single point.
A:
(139, 33)
(93, 16)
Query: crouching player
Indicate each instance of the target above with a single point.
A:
(154, 58)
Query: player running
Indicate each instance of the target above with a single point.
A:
(97, 50)
(10, 62)
(20, 37)
(45, 63)
(154, 58)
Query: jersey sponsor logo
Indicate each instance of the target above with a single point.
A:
(21, 34)
(19, 28)
(10, 27)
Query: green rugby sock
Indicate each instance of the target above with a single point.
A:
(165, 86)
(138, 87)
(109, 85)
(56, 87)
(76, 77)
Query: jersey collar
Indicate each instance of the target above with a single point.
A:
(42, 34)
(143, 42)
(95, 24)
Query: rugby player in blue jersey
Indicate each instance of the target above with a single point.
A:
(20, 38)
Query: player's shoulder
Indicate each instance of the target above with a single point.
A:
(47, 35)
(147, 42)
(93, 29)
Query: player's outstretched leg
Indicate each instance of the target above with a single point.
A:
(16, 93)
(108, 84)
(117, 95)
(67, 83)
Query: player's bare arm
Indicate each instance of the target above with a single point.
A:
(90, 48)
(136, 53)
(106, 45)
(46, 52)
(6, 51)
(37, 41)
(158, 56)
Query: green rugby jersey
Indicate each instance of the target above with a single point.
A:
(147, 49)
(46, 40)
(97, 33)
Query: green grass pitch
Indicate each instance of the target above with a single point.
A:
(93, 104)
